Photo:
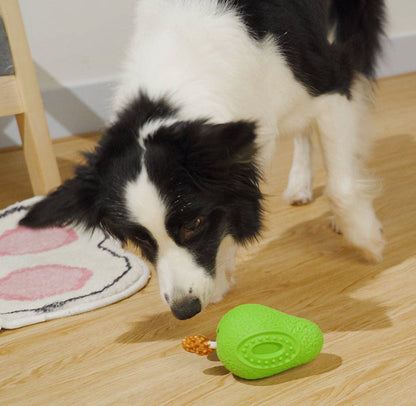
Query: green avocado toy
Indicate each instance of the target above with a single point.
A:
(255, 341)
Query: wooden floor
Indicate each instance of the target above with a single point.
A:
(130, 354)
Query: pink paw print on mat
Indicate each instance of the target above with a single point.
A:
(42, 281)
(23, 240)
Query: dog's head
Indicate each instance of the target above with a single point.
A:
(177, 192)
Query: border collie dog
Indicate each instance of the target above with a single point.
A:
(207, 87)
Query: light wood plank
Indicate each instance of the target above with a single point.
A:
(10, 101)
(129, 353)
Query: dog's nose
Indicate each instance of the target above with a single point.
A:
(186, 308)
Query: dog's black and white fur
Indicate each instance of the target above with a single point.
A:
(207, 87)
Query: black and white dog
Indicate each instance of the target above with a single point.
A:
(207, 87)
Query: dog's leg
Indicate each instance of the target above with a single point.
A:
(225, 265)
(299, 188)
(351, 193)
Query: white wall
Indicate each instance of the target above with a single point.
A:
(402, 17)
(78, 41)
(399, 51)
(77, 46)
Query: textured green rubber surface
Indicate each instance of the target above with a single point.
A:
(256, 341)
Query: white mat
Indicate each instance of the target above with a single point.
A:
(56, 272)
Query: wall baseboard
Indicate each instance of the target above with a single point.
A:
(85, 108)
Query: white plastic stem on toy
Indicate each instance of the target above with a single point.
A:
(212, 345)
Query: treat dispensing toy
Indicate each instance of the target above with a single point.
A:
(255, 341)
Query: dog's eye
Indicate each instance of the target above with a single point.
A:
(189, 230)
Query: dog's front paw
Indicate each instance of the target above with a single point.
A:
(373, 247)
(298, 194)
(366, 234)
(221, 289)
(219, 295)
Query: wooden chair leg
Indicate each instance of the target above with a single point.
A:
(38, 153)
(37, 145)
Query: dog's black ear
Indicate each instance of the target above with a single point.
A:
(224, 144)
(74, 202)
(217, 149)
